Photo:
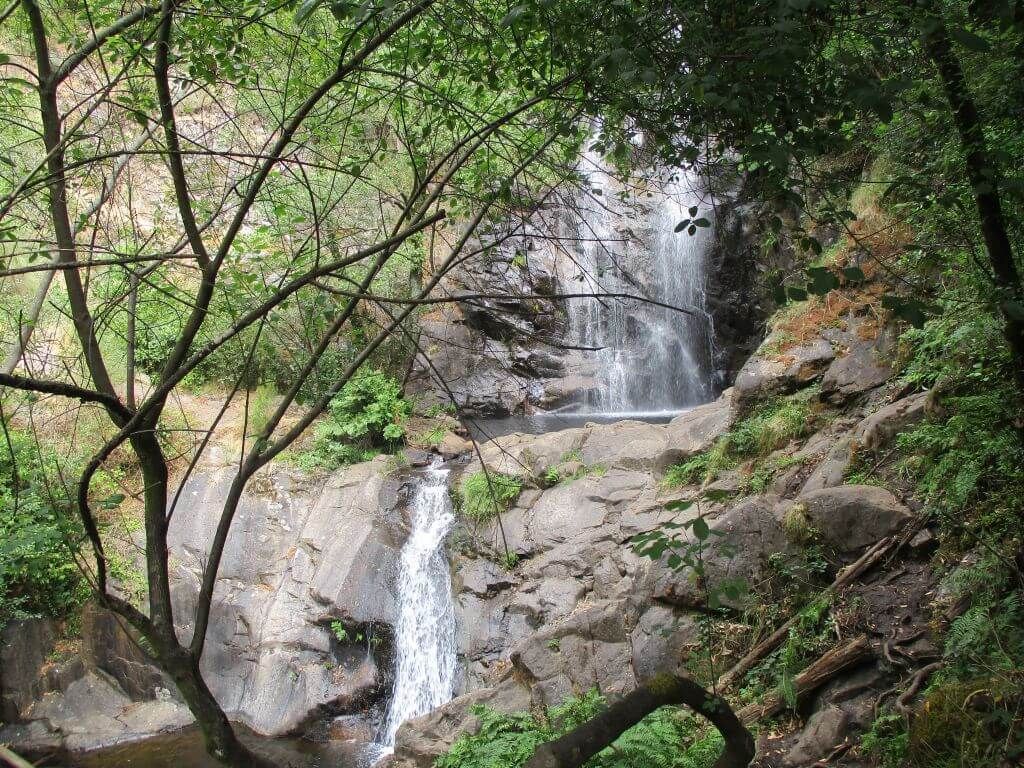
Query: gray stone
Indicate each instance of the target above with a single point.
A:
(832, 469)
(696, 431)
(824, 731)
(762, 376)
(752, 530)
(851, 517)
(881, 426)
(25, 646)
(625, 444)
(299, 556)
(420, 741)
(864, 367)
(662, 641)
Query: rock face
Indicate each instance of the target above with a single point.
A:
(298, 558)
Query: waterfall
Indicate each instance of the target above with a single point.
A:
(651, 360)
(425, 644)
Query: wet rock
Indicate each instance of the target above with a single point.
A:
(350, 728)
(416, 457)
(852, 517)
(824, 731)
(452, 445)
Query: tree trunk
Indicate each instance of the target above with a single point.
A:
(984, 180)
(220, 738)
(579, 745)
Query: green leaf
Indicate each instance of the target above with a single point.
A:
(681, 226)
(702, 222)
(716, 494)
(779, 294)
(701, 529)
(796, 294)
(968, 40)
(112, 502)
(822, 281)
(305, 10)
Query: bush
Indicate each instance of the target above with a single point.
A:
(484, 495)
(369, 413)
(667, 738)
(38, 537)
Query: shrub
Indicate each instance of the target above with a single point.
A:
(483, 495)
(367, 414)
(38, 537)
(667, 738)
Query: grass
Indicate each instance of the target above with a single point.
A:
(771, 426)
(484, 495)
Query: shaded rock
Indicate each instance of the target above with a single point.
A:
(483, 578)
(452, 445)
(794, 369)
(107, 646)
(851, 517)
(25, 646)
(824, 731)
(864, 367)
(415, 457)
(881, 426)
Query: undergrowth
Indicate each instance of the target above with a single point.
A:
(483, 495)
(667, 738)
(772, 425)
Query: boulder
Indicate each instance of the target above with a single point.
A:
(864, 367)
(824, 731)
(764, 376)
(25, 646)
(852, 517)
(662, 641)
(624, 444)
(832, 469)
(881, 426)
(749, 533)
(420, 741)
(696, 431)
(588, 648)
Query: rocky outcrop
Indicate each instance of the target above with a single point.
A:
(300, 556)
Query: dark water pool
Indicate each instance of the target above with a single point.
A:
(184, 749)
(537, 423)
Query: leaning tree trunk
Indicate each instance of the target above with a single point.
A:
(579, 745)
(982, 175)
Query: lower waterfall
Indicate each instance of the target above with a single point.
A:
(425, 645)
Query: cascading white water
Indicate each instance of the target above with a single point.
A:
(425, 646)
(651, 360)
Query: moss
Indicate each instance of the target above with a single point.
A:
(797, 526)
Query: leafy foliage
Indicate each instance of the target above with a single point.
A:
(367, 414)
(38, 537)
(667, 738)
(484, 495)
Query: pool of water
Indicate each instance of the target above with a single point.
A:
(184, 749)
(537, 423)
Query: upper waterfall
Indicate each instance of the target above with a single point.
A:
(644, 358)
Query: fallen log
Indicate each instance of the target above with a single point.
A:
(847, 575)
(819, 672)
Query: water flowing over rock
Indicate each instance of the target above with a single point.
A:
(425, 647)
(653, 356)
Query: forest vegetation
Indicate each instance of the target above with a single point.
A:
(234, 213)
